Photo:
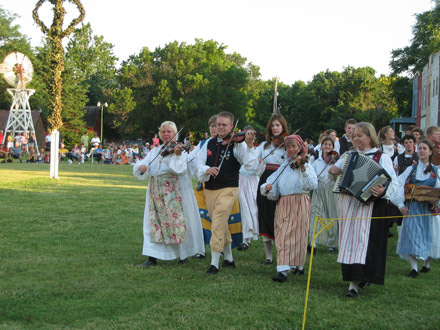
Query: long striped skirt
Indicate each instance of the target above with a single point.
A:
(363, 242)
(291, 229)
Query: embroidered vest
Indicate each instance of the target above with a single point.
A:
(229, 172)
(344, 145)
(403, 162)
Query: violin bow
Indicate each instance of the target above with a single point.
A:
(165, 146)
(282, 144)
(329, 162)
(290, 162)
(227, 147)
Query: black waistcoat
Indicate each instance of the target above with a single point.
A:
(344, 145)
(403, 162)
(229, 172)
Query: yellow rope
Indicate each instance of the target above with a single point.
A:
(326, 225)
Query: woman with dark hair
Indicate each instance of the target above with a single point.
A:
(323, 198)
(416, 235)
(363, 241)
(271, 154)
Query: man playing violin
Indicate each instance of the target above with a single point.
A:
(218, 166)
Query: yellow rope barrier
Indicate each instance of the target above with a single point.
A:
(326, 225)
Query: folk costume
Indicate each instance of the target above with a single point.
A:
(324, 204)
(172, 227)
(363, 242)
(292, 212)
(222, 191)
(234, 220)
(266, 207)
(343, 145)
(247, 195)
(415, 237)
(435, 225)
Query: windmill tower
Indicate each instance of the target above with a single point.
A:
(17, 70)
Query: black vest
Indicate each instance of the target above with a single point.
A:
(344, 145)
(229, 172)
(403, 162)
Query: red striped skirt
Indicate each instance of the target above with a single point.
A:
(291, 229)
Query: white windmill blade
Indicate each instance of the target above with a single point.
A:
(17, 70)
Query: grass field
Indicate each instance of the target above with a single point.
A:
(69, 251)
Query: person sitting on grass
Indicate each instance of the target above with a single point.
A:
(98, 153)
(4, 153)
(16, 152)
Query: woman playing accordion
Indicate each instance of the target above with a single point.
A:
(363, 241)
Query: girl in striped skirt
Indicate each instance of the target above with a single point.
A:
(291, 185)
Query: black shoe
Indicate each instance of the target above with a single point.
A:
(243, 247)
(425, 269)
(331, 249)
(148, 263)
(267, 262)
(390, 235)
(199, 256)
(298, 271)
(227, 263)
(182, 261)
(309, 250)
(413, 273)
(364, 284)
(212, 270)
(352, 293)
(279, 278)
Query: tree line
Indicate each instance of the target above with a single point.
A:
(187, 83)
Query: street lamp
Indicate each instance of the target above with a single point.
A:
(102, 116)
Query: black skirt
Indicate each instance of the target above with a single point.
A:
(266, 209)
(374, 269)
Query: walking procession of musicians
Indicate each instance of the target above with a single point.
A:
(367, 180)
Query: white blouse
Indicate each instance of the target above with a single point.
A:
(321, 168)
(291, 181)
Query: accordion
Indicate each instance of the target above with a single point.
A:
(359, 174)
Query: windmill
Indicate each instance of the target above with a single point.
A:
(17, 70)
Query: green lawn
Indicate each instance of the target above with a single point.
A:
(69, 250)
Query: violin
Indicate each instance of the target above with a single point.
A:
(278, 140)
(169, 150)
(299, 162)
(332, 157)
(235, 138)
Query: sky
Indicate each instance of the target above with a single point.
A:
(289, 39)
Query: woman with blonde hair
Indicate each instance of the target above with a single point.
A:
(172, 227)
(363, 241)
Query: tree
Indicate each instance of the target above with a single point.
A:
(426, 40)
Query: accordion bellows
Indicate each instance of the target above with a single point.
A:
(359, 174)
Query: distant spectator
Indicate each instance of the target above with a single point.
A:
(136, 153)
(145, 150)
(2, 135)
(47, 141)
(418, 133)
(155, 141)
(3, 153)
(98, 153)
(10, 141)
(62, 152)
(16, 152)
(24, 142)
(124, 157)
(40, 158)
(17, 138)
(95, 141)
(85, 140)
(31, 142)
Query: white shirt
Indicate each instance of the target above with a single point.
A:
(290, 181)
(321, 168)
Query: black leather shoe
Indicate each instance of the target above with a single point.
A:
(227, 263)
(425, 269)
(267, 262)
(148, 263)
(298, 272)
(182, 261)
(199, 256)
(212, 270)
(413, 273)
(243, 247)
(279, 278)
(352, 293)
